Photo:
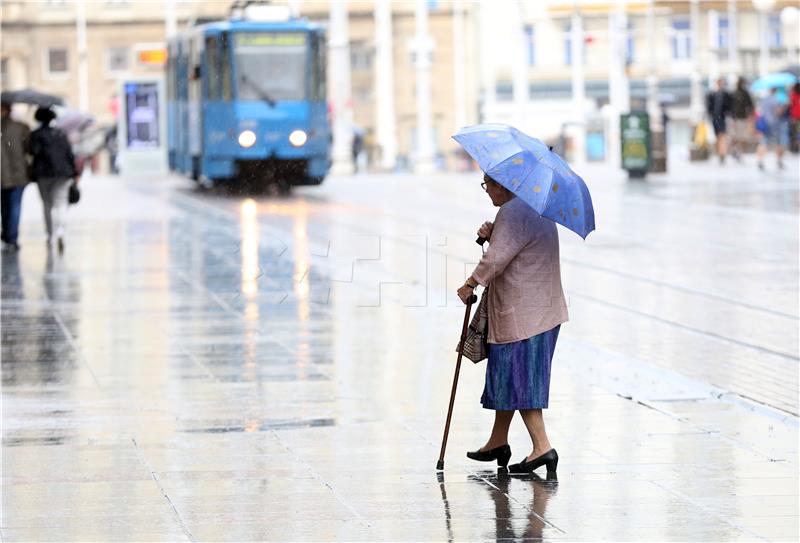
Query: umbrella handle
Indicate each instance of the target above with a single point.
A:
(480, 241)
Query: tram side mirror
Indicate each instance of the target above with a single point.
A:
(196, 72)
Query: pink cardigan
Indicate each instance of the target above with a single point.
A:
(522, 270)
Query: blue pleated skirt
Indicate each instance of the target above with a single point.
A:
(518, 373)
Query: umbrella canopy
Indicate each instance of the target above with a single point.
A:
(779, 80)
(70, 120)
(533, 172)
(30, 96)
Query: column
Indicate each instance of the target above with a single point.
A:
(696, 108)
(83, 64)
(733, 38)
(578, 86)
(764, 7)
(763, 39)
(653, 109)
(170, 19)
(618, 85)
(339, 60)
(385, 122)
(423, 161)
(459, 67)
(520, 63)
(713, 47)
(487, 68)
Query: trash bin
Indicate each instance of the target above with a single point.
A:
(635, 143)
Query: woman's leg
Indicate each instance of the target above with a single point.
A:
(5, 212)
(499, 437)
(60, 196)
(46, 192)
(534, 422)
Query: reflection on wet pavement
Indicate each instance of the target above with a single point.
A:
(199, 367)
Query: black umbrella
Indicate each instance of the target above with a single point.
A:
(30, 96)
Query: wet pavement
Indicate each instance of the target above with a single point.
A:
(208, 367)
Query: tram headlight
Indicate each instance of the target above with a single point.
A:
(298, 138)
(247, 138)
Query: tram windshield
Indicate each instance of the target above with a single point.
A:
(271, 64)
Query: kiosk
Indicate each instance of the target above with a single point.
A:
(142, 128)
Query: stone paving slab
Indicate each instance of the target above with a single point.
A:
(180, 374)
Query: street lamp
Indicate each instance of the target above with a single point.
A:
(764, 7)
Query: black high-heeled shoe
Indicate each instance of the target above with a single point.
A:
(502, 454)
(549, 459)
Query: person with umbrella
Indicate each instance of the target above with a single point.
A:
(775, 127)
(533, 189)
(53, 167)
(13, 174)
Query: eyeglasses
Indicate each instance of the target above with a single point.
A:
(483, 185)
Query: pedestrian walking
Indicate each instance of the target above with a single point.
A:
(794, 118)
(526, 308)
(358, 147)
(534, 190)
(53, 169)
(13, 174)
(774, 127)
(718, 106)
(742, 109)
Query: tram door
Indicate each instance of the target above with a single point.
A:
(195, 131)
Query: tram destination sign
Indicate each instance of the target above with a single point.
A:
(267, 39)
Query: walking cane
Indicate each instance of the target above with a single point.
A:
(471, 300)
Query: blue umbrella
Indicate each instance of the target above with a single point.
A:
(779, 80)
(532, 171)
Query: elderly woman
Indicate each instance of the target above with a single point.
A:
(526, 307)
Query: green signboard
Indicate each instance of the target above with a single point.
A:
(635, 135)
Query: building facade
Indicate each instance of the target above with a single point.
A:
(490, 60)
(39, 47)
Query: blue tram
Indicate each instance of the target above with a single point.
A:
(246, 102)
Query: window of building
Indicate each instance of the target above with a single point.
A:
(361, 55)
(774, 32)
(568, 45)
(723, 33)
(118, 59)
(681, 39)
(504, 91)
(530, 44)
(629, 43)
(57, 61)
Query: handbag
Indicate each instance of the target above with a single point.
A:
(74, 193)
(762, 126)
(476, 346)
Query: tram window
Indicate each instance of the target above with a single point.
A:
(212, 69)
(318, 88)
(225, 68)
(272, 64)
